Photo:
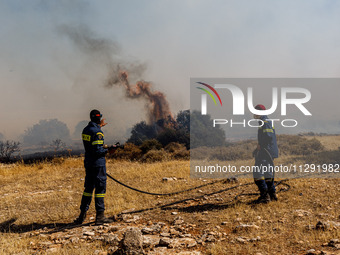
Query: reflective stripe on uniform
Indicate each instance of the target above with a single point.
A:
(98, 142)
(268, 130)
(259, 179)
(99, 195)
(87, 194)
(100, 133)
(86, 137)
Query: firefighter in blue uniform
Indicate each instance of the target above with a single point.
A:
(264, 154)
(95, 168)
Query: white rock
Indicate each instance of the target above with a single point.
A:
(241, 240)
(150, 240)
(89, 233)
(247, 226)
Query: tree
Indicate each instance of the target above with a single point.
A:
(201, 133)
(58, 144)
(7, 149)
(141, 132)
(79, 129)
(45, 132)
(183, 120)
(171, 135)
(191, 129)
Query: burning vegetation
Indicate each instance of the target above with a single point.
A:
(156, 103)
(160, 124)
(123, 73)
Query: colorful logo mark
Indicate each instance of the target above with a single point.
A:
(209, 93)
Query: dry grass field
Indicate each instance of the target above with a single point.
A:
(34, 197)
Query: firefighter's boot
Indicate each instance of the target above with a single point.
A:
(273, 196)
(263, 199)
(271, 189)
(264, 195)
(101, 219)
(80, 218)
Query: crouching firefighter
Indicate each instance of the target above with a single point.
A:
(94, 162)
(264, 154)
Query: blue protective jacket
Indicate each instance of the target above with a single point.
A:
(267, 138)
(93, 140)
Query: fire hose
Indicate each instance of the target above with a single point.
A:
(186, 190)
(164, 194)
(277, 183)
(118, 145)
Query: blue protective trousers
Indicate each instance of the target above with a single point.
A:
(263, 172)
(95, 179)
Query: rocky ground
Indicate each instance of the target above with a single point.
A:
(136, 234)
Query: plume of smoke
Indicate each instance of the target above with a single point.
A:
(107, 51)
(88, 43)
(157, 105)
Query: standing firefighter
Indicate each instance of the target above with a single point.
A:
(95, 179)
(264, 154)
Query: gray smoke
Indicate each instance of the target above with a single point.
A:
(120, 72)
(88, 43)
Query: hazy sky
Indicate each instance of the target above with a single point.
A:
(45, 73)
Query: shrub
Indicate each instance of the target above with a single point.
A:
(288, 145)
(234, 151)
(173, 147)
(130, 152)
(297, 145)
(155, 156)
(177, 151)
(181, 154)
(151, 144)
(324, 157)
